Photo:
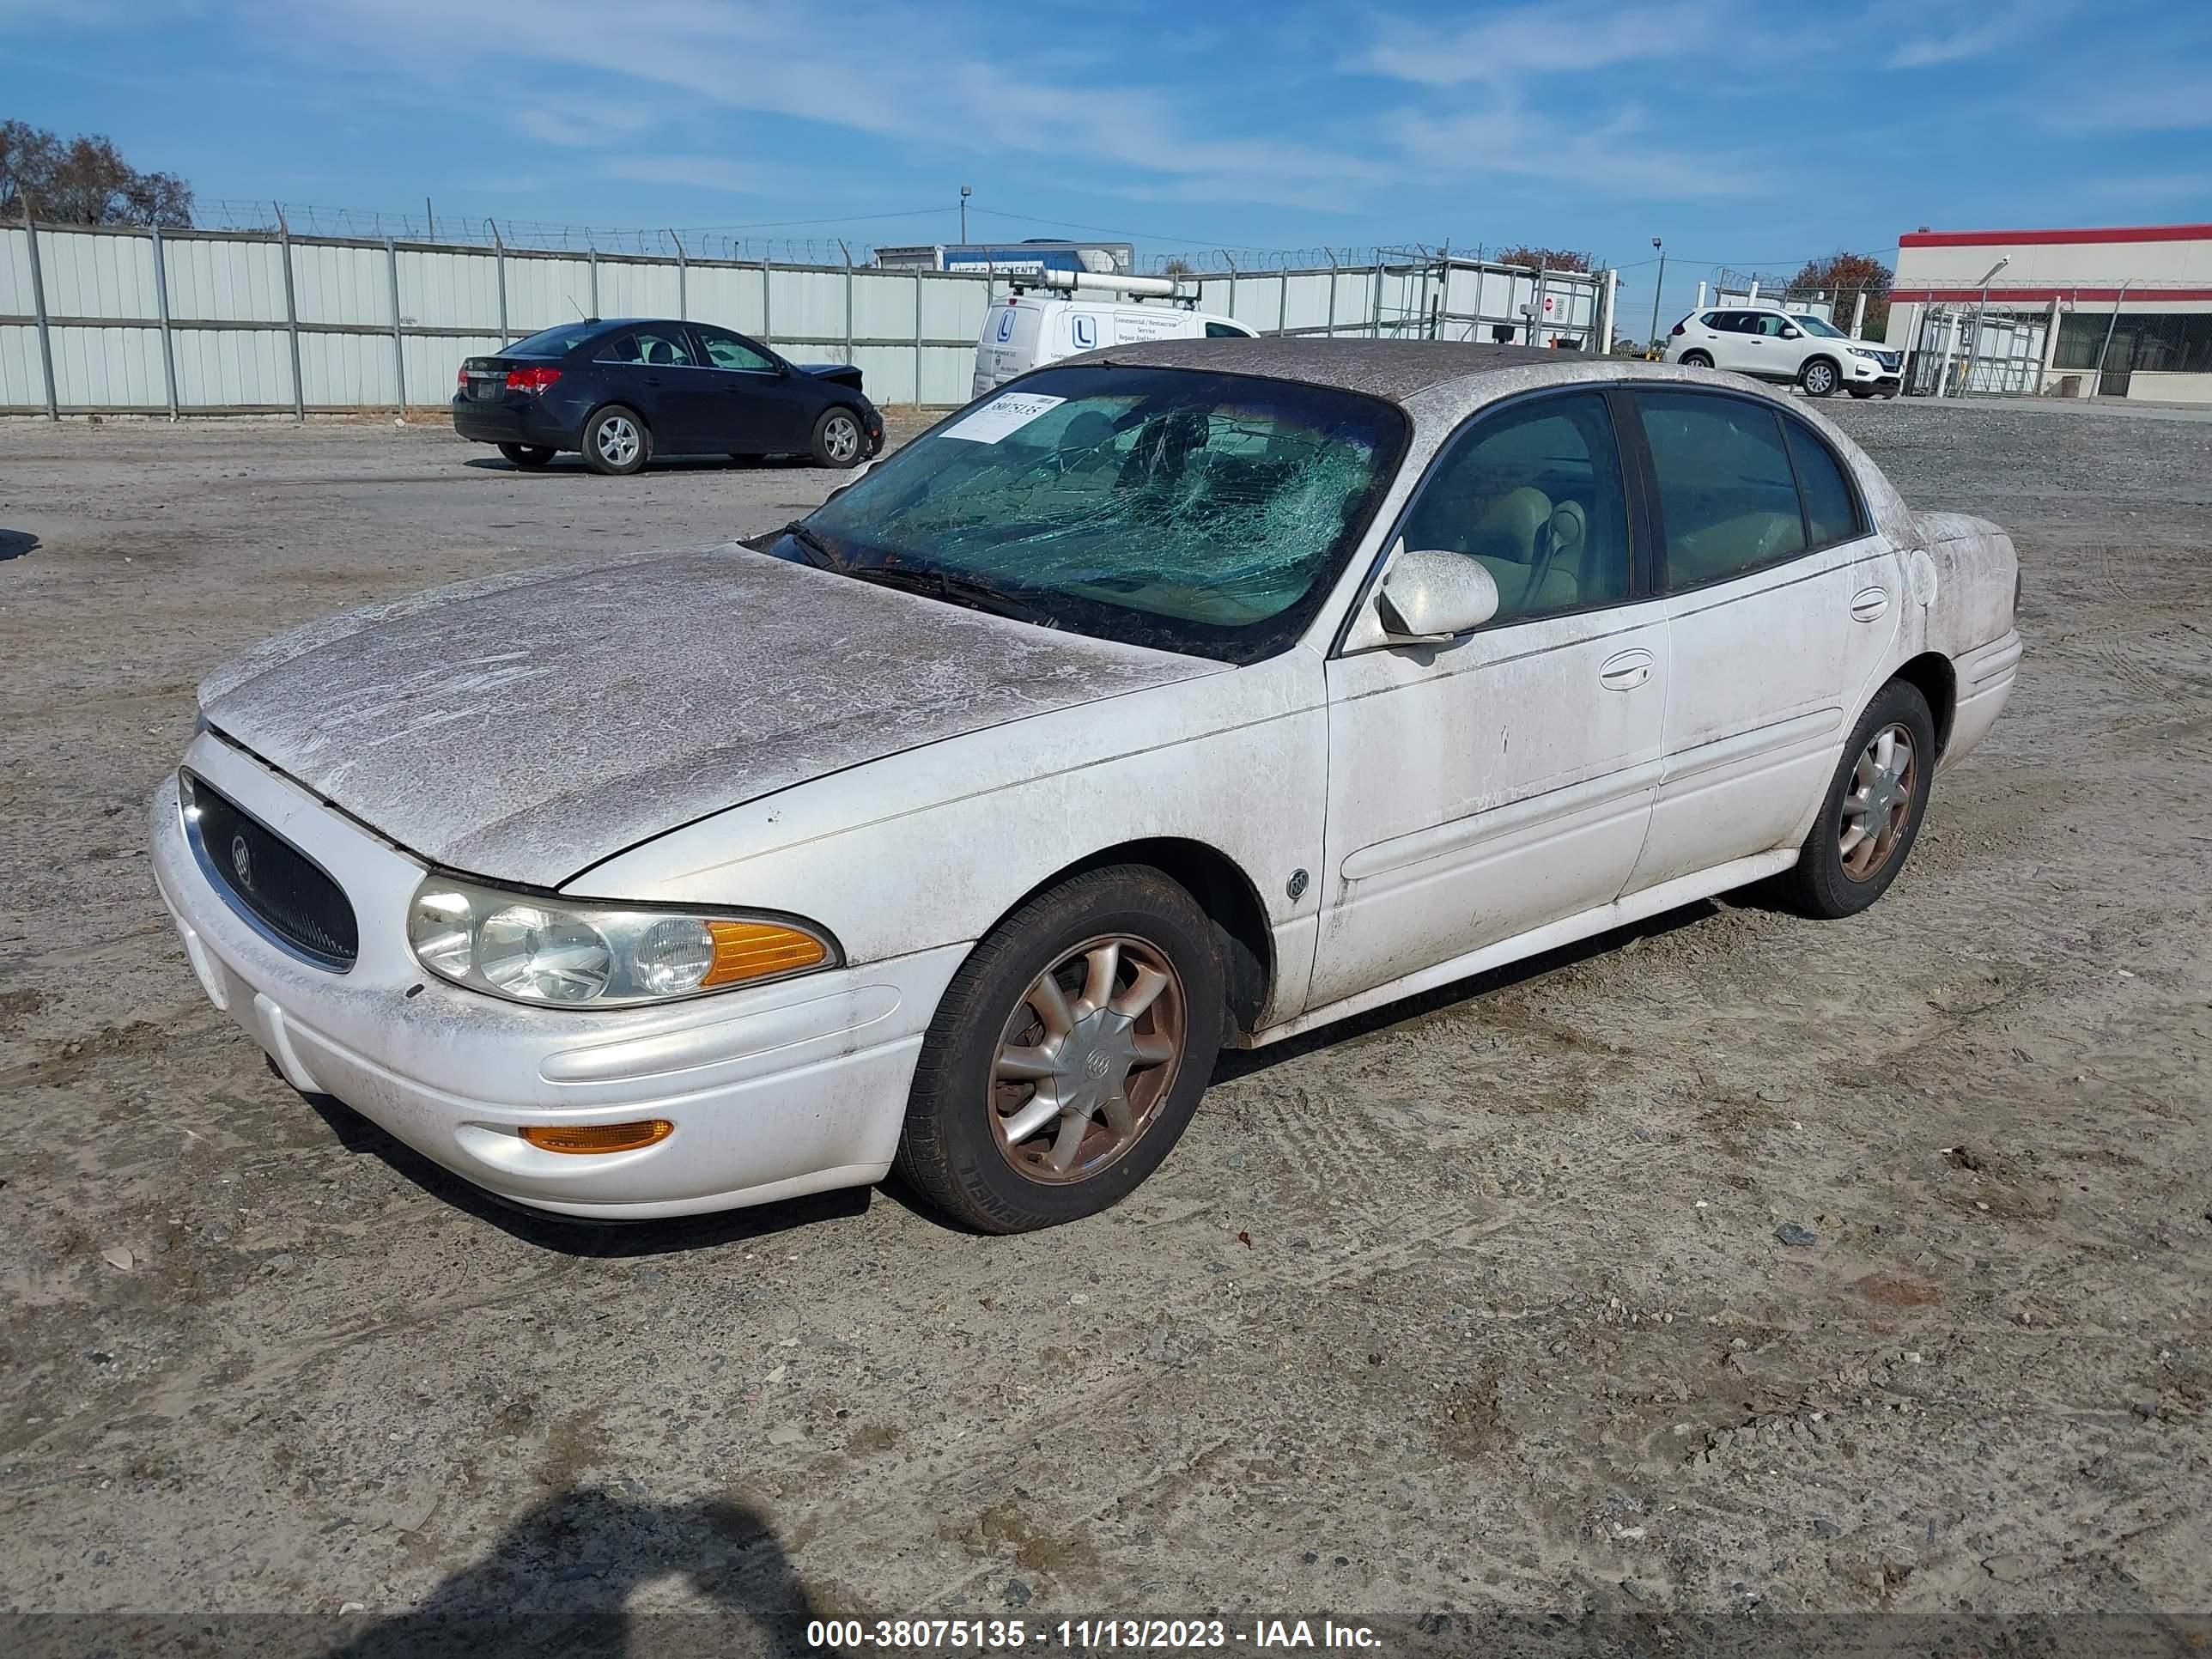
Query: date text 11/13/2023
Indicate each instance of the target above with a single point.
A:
(1084, 1635)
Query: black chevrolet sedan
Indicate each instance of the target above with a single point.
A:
(620, 391)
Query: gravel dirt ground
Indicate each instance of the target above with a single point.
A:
(1473, 1307)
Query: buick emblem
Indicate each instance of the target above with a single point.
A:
(241, 861)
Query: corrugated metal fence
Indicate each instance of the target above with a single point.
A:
(100, 319)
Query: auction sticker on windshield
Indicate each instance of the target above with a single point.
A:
(1002, 415)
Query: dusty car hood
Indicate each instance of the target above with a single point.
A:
(523, 727)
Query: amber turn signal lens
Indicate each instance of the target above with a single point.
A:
(598, 1137)
(755, 949)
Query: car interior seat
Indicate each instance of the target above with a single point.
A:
(659, 352)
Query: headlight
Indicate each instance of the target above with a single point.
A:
(547, 950)
(1871, 356)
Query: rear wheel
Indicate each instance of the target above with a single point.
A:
(1875, 803)
(616, 440)
(1068, 1054)
(528, 457)
(1695, 360)
(1820, 378)
(838, 439)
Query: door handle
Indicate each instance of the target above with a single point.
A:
(1870, 604)
(1625, 671)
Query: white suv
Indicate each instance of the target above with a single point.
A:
(1783, 345)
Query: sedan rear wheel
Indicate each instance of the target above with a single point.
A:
(617, 440)
(528, 457)
(837, 439)
(1068, 1054)
(1874, 806)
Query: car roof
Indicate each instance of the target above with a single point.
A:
(1395, 370)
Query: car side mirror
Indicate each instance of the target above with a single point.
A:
(1427, 598)
(851, 478)
(1791, 333)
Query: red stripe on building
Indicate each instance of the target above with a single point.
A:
(2057, 238)
(2148, 296)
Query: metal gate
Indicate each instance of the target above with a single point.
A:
(1966, 350)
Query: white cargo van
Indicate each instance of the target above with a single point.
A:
(1035, 325)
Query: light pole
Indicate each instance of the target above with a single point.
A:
(1974, 349)
(1656, 287)
(964, 194)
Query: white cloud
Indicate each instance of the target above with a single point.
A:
(1984, 29)
(1618, 157)
(1507, 49)
(896, 72)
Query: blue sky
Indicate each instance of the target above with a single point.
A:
(1752, 136)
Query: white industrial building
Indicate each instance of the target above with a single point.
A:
(2124, 310)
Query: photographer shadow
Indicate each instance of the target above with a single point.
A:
(559, 1582)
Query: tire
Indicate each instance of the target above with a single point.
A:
(1695, 360)
(1824, 883)
(840, 439)
(528, 457)
(616, 440)
(954, 1148)
(1820, 377)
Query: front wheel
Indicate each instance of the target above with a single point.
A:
(616, 440)
(1068, 1054)
(1875, 803)
(837, 439)
(528, 456)
(1819, 378)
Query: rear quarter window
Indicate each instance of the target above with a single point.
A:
(1831, 508)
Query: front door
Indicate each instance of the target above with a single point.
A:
(1482, 787)
(760, 406)
(1782, 600)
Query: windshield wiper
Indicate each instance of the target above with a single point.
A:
(817, 551)
(953, 590)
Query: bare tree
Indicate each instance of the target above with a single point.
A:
(1175, 265)
(83, 181)
(1547, 259)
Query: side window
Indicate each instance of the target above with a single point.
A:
(1716, 320)
(1770, 324)
(726, 351)
(1727, 496)
(662, 347)
(1225, 331)
(1535, 495)
(622, 348)
(1831, 511)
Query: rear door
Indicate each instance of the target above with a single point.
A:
(1782, 601)
(761, 404)
(654, 368)
(1008, 344)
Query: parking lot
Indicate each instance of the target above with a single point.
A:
(1473, 1304)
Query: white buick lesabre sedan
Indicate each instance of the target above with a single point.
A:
(1196, 693)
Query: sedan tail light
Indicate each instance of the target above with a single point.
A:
(530, 380)
(461, 376)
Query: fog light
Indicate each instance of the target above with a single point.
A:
(598, 1137)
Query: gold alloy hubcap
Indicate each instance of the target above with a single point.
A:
(1087, 1059)
(1878, 801)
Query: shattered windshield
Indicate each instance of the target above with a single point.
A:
(1182, 509)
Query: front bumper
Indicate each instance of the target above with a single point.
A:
(789, 1088)
(1864, 371)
